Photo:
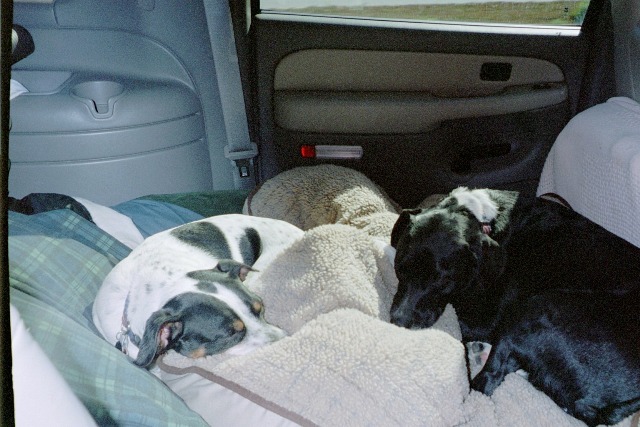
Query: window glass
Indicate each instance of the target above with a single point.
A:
(525, 12)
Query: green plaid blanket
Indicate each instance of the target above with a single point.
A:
(57, 261)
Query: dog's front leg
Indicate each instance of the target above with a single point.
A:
(501, 362)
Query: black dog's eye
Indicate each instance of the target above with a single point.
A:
(446, 264)
(420, 265)
(459, 267)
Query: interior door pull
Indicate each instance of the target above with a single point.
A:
(495, 71)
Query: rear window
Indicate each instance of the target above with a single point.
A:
(518, 12)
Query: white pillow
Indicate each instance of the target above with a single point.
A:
(41, 396)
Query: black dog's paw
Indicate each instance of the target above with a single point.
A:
(487, 381)
(479, 383)
(586, 412)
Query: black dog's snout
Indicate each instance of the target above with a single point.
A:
(416, 312)
(402, 310)
(398, 318)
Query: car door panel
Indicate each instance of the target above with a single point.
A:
(378, 92)
(431, 109)
(161, 131)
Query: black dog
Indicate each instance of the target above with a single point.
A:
(480, 250)
(488, 253)
(581, 348)
(452, 253)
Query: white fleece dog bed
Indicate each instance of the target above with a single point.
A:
(310, 196)
(343, 364)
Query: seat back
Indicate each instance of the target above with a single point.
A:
(626, 26)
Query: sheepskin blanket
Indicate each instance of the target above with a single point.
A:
(343, 363)
(309, 196)
(595, 166)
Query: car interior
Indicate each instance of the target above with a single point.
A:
(156, 113)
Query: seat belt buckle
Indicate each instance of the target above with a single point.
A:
(244, 167)
(242, 159)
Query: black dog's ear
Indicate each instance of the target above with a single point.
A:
(160, 334)
(401, 224)
(234, 268)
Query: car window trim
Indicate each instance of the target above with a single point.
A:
(469, 27)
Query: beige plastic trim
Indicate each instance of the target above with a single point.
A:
(395, 112)
(437, 73)
(370, 92)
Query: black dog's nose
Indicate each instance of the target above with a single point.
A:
(400, 319)
(420, 316)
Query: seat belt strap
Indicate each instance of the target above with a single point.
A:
(239, 149)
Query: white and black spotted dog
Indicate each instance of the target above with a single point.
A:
(183, 289)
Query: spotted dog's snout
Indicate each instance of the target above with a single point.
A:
(221, 315)
(260, 335)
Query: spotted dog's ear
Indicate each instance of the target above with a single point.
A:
(234, 268)
(160, 334)
(401, 225)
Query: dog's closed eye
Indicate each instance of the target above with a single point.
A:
(238, 325)
(234, 268)
(257, 307)
(459, 267)
(198, 353)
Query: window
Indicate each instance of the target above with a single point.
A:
(515, 12)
